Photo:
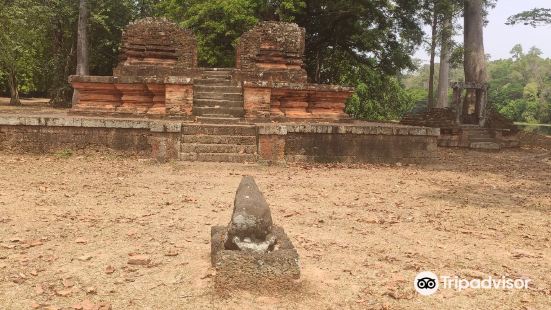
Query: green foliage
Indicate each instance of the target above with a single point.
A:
(218, 24)
(284, 10)
(21, 39)
(418, 79)
(364, 44)
(59, 52)
(520, 87)
(107, 21)
(379, 97)
(535, 17)
(44, 37)
(418, 94)
(379, 35)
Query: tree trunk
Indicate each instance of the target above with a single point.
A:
(432, 56)
(475, 58)
(443, 75)
(82, 39)
(82, 43)
(14, 88)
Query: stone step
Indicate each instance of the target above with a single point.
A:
(217, 70)
(219, 157)
(474, 129)
(217, 103)
(219, 96)
(221, 111)
(217, 89)
(481, 139)
(215, 82)
(219, 119)
(218, 77)
(219, 130)
(478, 131)
(217, 74)
(218, 148)
(485, 146)
(204, 139)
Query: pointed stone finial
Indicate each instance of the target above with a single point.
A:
(250, 228)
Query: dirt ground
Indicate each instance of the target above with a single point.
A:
(69, 223)
(28, 106)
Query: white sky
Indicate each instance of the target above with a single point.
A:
(499, 38)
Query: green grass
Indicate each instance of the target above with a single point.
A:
(64, 153)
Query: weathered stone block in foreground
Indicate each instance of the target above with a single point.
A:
(270, 271)
(250, 253)
(250, 227)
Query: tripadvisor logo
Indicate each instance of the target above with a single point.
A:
(427, 283)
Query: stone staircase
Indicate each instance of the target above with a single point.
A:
(219, 143)
(480, 138)
(217, 98)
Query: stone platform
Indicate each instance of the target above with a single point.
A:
(275, 270)
(166, 139)
(498, 133)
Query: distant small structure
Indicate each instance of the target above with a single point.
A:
(465, 125)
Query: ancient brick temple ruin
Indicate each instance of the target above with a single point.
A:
(158, 76)
(159, 102)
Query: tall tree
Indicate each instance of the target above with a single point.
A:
(474, 57)
(83, 62)
(445, 54)
(535, 17)
(449, 9)
(433, 43)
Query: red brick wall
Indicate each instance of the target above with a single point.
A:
(271, 148)
(179, 99)
(257, 102)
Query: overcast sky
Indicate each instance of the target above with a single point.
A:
(499, 38)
